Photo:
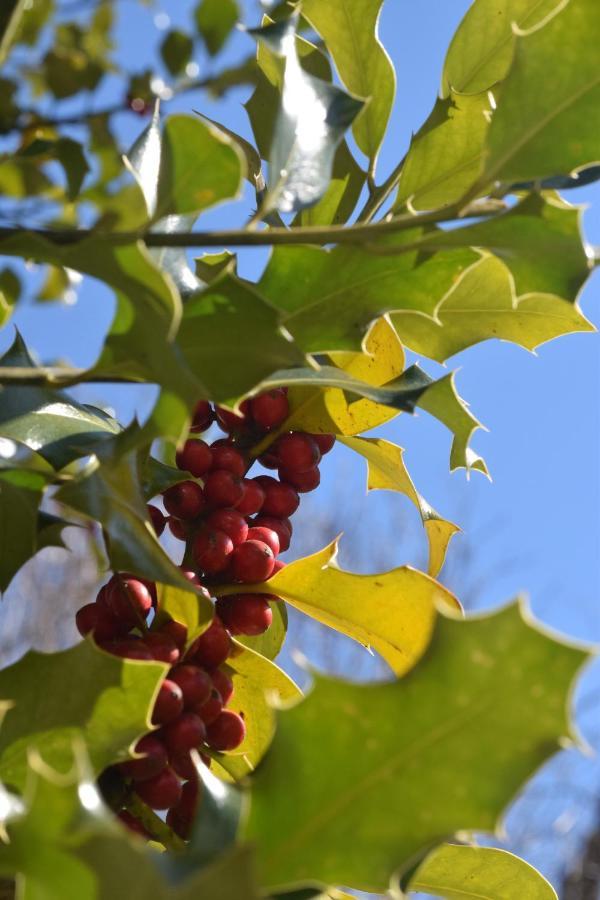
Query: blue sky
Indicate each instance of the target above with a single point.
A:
(536, 526)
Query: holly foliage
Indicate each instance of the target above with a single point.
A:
(174, 700)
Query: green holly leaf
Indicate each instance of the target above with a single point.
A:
(176, 50)
(270, 643)
(157, 477)
(482, 50)
(82, 853)
(232, 313)
(312, 118)
(199, 166)
(349, 29)
(539, 240)
(458, 872)
(440, 751)
(110, 492)
(109, 710)
(387, 472)
(328, 298)
(10, 291)
(10, 20)
(483, 306)
(48, 421)
(192, 610)
(20, 495)
(391, 612)
(445, 155)
(258, 684)
(533, 130)
(215, 20)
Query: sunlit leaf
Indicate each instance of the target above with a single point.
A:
(109, 709)
(193, 610)
(458, 872)
(445, 155)
(215, 20)
(440, 751)
(549, 126)
(483, 306)
(387, 472)
(392, 612)
(312, 119)
(328, 298)
(482, 50)
(349, 28)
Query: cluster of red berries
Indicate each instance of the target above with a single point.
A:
(234, 528)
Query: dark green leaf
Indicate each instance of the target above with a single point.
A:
(10, 290)
(18, 521)
(109, 709)
(176, 51)
(48, 421)
(215, 20)
(466, 705)
(11, 15)
(157, 477)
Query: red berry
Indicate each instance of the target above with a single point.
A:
(178, 529)
(230, 421)
(281, 500)
(169, 703)
(227, 457)
(176, 631)
(212, 647)
(303, 482)
(231, 522)
(195, 683)
(212, 709)
(203, 416)
(194, 457)
(127, 648)
(153, 759)
(245, 613)
(181, 817)
(266, 535)
(223, 488)
(182, 764)
(184, 733)
(252, 498)
(279, 565)
(128, 599)
(298, 452)
(282, 527)
(162, 791)
(86, 618)
(132, 824)
(157, 518)
(269, 459)
(211, 549)
(162, 647)
(265, 481)
(227, 732)
(252, 561)
(271, 409)
(324, 442)
(223, 684)
(184, 500)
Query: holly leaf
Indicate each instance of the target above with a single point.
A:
(483, 306)
(48, 421)
(329, 298)
(446, 154)
(270, 643)
(258, 685)
(387, 472)
(391, 612)
(361, 60)
(109, 709)
(467, 705)
(192, 610)
(215, 20)
(458, 872)
(232, 313)
(312, 118)
(83, 854)
(531, 135)
(20, 495)
(539, 241)
(176, 50)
